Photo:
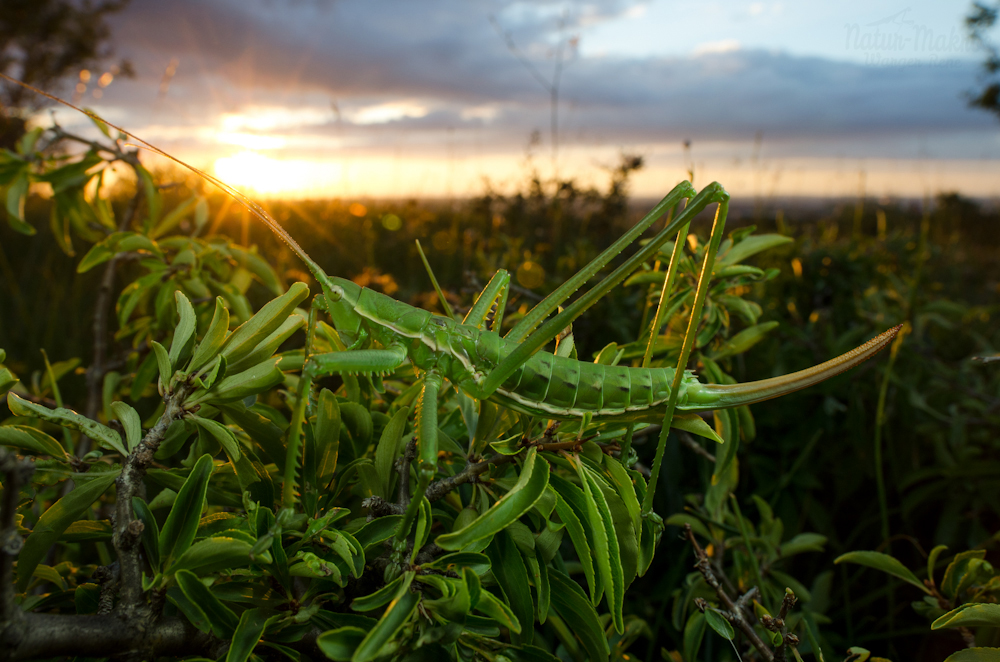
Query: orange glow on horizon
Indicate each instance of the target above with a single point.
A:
(350, 174)
(267, 176)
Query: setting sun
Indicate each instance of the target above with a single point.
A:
(268, 177)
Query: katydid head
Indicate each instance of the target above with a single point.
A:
(341, 298)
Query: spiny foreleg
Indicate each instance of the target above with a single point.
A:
(356, 361)
(492, 298)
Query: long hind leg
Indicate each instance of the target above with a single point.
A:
(493, 297)
(704, 283)
(713, 193)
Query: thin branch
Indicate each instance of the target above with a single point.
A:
(694, 446)
(55, 635)
(102, 308)
(50, 635)
(127, 531)
(131, 156)
(733, 611)
(779, 625)
(403, 467)
(379, 507)
(440, 488)
(16, 473)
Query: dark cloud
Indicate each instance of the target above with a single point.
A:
(448, 57)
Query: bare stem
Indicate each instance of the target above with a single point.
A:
(403, 466)
(779, 625)
(127, 531)
(439, 489)
(102, 308)
(694, 446)
(733, 612)
(16, 472)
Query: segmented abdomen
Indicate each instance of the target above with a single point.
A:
(566, 388)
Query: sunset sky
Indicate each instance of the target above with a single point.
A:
(313, 98)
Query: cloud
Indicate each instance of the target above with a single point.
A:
(369, 73)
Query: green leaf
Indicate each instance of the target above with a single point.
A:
(357, 421)
(498, 610)
(153, 200)
(222, 434)
(623, 485)
(184, 331)
(743, 340)
(68, 419)
(455, 602)
(163, 364)
(695, 424)
(150, 532)
(341, 643)
(326, 435)
(607, 549)
(30, 439)
(57, 519)
(267, 435)
(395, 617)
(572, 510)
(247, 336)
(932, 560)
(379, 598)
(221, 618)
(87, 530)
(347, 548)
(269, 345)
(182, 523)
(99, 123)
(98, 254)
(248, 633)
(718, 622)
(130, 421)
(388, 450)
(751, 246)
(7, 380)
(216, 553)
(882, 562)
(957, 569)
(191, 610)
(512, 576)
(258, 266)
(171, 220)
(970, 615)
(86, 598)
(543, 589)
(214, 337)
(571, 604)
(27, 143)
(425, 519)
(456, 561)
(16, 194)
(527, 490)
(694, 632)
(261, 377)
(803, 542)
(975, 655)
(378, 530)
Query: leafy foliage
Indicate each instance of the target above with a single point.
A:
(266, 515)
